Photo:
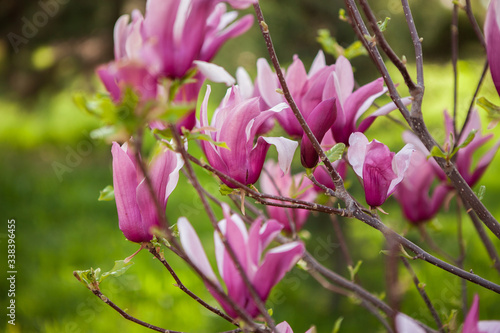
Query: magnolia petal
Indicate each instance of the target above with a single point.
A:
(357, 152)
(384, 110)
(488, 326)
(120, 36)
(283, 327)
(345, 77)
(483, 164)
(470, 323)
(125, 184)
(277, 262)
(320, 120)
(214, 72)
(193, 248)
(400, 164)
(405, 324)
(286, 149)
(267, 83)
(318, 63)
(492, 37)
(244, 82)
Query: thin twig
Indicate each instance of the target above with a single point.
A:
(340, 191)
(181, 286)
(125, 315)
(423, 294)
(473, 101)
(423, 255)
(194, 181)
(473, 22)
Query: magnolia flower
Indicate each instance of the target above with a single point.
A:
(351, 105)
(492, 37)
(380, 169)
(473, 325)
(181, 31)
(321, 174)
(235, 123)
(299, 187)
(413, 191)
(137, 213)
(309, 93)
(263, 271)
(166, 42)
(463, 158)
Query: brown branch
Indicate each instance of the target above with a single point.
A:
(423, 294)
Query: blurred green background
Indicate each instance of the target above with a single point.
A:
(52, 171)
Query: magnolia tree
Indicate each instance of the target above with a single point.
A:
(162, 60)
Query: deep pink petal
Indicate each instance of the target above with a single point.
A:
(277, 262)
(470, 323)
(320, 120)
(492, 36)
(125, 184)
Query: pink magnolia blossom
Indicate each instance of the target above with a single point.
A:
(263, 271)
(235, 123)
(413, 191)
(463, 158)
(181, 31)
(380, 169)
(320, 172)
(298, 186)
(309, 93)
(166, 42)
(137, 213)
(492, 36)
(473, 325)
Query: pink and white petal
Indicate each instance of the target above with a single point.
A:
(384, 110)
(125, 184)
(283, 327)
(400, 164)
(470, 323)
(405, 324)
(267, 83)
(345, 77)
(120, 36)
(193, 248)
(244, 82)
(489, 326)
(268, 232)
(214, 72)
(277, 262)
(318, 63)
(357, 152)
(286, 149)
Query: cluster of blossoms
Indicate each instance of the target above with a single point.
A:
(178, 36)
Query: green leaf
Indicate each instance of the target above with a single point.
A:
(107, 194)
(225, 190)
(336, 326)
(336, 152)
(118, 269)
(493, 110)
(481, 192)
(270, 311)
(206, 137)
(437, 152)
(354, 270)
(354, 50)
(328, 43)
(382, 25)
